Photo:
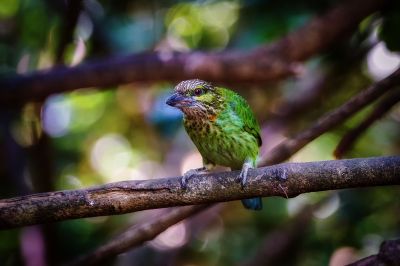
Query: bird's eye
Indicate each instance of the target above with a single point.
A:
(198, 92)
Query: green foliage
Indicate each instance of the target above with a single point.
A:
(8, 8)
(206, 25)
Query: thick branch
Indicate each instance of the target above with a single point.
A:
(286, 180)
(288, 147)
(267, 63)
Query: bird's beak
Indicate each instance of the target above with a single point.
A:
(178, 100)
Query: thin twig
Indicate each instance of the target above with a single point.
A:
(279, 242)
(326, 80)
(138, 234)
(384, 106)
(70, 12)
(288, 147)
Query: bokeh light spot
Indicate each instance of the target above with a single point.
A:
(193, 23)
(328, 208)
(79, 52)
(87, 107)
(8, 8)
(85, 27)
(192, 160)
(295, 205)
(111, 156)
(381, 62)
(56, 116)
(173, 237)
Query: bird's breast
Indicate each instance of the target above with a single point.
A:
(222, 143)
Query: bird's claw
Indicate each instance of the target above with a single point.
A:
(243, 179)
(184, 182)
(189, 174)
(185, 178)
(243, 175)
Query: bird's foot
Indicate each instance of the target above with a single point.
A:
(191, 173)
(243, 174)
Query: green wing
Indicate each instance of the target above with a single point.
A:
(242, 109)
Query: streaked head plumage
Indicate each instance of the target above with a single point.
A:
(195, 97)
(193, 87)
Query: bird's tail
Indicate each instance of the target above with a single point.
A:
(253, 203)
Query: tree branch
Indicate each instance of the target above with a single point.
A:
(266, 63)
(137, 234)
(380, 110)
(389, 254)
(288, 147)
(285, 180)
(278, 243)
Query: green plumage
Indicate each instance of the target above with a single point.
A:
(220, 124)
(230, 137)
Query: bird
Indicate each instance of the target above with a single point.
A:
(222, 126)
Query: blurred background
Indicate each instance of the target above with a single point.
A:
(100, 135)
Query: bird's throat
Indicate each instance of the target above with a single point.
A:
(202, 117)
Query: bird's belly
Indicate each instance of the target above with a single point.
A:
(230, 150)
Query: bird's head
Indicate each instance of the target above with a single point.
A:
(195, 98)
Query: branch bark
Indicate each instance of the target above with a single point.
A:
(270, 62)
(285, 180)
(327, 122)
